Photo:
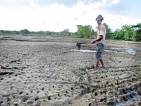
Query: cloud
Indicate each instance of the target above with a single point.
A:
(32, 2)
(11, 0)
(109, 3)
(57, 17)
(90, 1)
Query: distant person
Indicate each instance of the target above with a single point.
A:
(100, 41)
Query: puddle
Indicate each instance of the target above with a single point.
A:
(127, 50)
(89, 51)
(131, 51)
(116, 50)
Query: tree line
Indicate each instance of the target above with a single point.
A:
(127, 32)
(26, 32)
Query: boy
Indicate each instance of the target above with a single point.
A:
(100, 41)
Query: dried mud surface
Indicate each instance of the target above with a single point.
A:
(51, 72)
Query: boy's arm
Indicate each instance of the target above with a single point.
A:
(99, 39)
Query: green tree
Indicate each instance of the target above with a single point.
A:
(108, 31)
(129, 33)
(64, 33)
(125, 33)
(93, 34)
(7, 32)
(1, 31)
(24, 31)
(137, 28)
(85, 31)
(14, 32)
(118, 34)
(79, 31)
(47, 32)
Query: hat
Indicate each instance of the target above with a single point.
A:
(99, 17)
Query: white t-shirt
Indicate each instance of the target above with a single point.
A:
(101, 30)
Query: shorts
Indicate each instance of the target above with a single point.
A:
(99, 50)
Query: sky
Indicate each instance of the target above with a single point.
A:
(57, 15)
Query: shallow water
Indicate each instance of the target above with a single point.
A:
(116, 50)
(89, 51)
(127, 50)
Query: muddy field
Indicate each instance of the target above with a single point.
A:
(52, 72)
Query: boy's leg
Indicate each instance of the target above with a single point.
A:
(99, 52)
(97, 62)
(102, 63)
(97, 65)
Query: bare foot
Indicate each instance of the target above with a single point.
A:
(94, 69)
(103, 67)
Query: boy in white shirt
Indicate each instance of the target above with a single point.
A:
(100, 41)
